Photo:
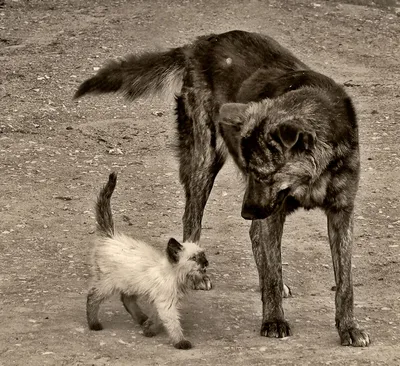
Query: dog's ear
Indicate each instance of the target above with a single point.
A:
(232, 113)
(291, 134)
(173, 249)
(231, 121)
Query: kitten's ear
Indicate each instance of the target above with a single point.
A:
(173, 249)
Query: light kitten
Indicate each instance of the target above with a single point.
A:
(134, 269)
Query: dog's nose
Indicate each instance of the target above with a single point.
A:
(256, 201)
(254, 212)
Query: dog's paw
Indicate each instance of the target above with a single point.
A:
(275, 329)
(95, 326)
(287, 292)
(354, 337)
(202, 283)
(184, 344)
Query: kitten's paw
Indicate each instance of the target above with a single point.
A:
(354, 337)
(142, 319)
(148, 332)
(202, 283)
(95, 326)
(287, 292)
(275, 329)
(149, 329)
(184, 344)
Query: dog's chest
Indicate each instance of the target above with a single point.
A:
(312, 195)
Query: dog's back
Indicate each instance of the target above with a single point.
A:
(226, 60)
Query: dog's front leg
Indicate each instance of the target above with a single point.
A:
(340, 230)
(266, 236)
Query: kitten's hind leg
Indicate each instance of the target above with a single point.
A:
(94, 299)
(133, 308)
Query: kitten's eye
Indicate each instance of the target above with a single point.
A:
(192, 258)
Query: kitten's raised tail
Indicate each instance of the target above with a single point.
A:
(104, 218)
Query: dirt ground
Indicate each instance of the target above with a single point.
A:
(56, 153)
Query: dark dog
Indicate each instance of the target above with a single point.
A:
(291, 131)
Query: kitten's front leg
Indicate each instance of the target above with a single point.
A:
(131, 306)
(169, 316)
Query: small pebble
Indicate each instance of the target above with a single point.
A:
(115, 151)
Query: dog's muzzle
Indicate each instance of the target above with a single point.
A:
(259, 204)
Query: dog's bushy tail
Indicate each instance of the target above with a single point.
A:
(141, 75)
(104, 218)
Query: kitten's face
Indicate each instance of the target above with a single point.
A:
(189, 255)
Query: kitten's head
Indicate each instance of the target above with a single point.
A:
(189, 256)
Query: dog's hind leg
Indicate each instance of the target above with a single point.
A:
(131, 306)
(266, 236)
(340, 230)
(202, 155)
(200, 161)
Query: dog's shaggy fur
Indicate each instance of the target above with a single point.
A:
(291, 131)
(136, 270)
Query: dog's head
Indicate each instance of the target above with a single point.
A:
(189, 256)
(273, 146)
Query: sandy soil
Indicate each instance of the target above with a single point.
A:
(55, 154)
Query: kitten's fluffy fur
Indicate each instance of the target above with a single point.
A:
(135, 269)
